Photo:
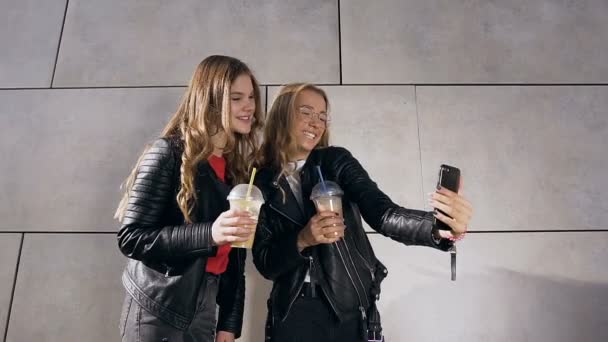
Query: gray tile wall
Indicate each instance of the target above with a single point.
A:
(68, 289)
(29, 38)
(9, 252)
(474, 41)
(118, 43)
(513, 92)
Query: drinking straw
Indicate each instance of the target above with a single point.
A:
(322, 179)
(250, 183)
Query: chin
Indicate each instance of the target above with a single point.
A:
(242, 129)
(309, 146)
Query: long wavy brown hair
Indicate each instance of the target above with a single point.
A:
(203, 112)
(279, 142)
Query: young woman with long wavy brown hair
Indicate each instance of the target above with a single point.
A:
(175, 223)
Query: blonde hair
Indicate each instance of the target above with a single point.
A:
(279, 141)
(203, 112)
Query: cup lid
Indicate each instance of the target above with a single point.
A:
(330, 189)
(240, 192)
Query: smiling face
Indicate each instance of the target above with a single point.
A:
(242, 104)
(309, 124)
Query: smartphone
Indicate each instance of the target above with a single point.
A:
(449, 178)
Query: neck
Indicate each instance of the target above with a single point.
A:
(218, 152)
(299, 155)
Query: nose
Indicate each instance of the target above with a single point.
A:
(316, 123)
(250, 106)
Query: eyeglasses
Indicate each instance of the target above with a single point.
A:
(308, 115)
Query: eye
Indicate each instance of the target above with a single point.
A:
(305, 111)
(235, 98)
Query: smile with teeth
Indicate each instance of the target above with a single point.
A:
(244, 117)
(310, 135)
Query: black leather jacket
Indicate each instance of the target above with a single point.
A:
(345, 270)
(167, 258)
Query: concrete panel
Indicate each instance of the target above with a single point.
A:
(256, 295)
(66, 152)
(532, 157)
(68, 289)
(29, 38)
(474, 41)
(509, 287)
(119, 42)
(9, 252)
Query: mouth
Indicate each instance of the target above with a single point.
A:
(244, 118)
(310, 135)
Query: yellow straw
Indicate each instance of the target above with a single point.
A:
(250, 183)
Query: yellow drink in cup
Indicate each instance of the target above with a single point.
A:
(239, 200)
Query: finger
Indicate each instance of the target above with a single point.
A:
(233, 238)
(462, 215)
(457, 202)
(457, 198)
(443, 207)
(465, 203)
(328, 221)
(238, 221)
(324, 214)
(445, 234)
(318, 217)
(333, 230)
(449, 235)
(455, 211)
(460, 183)
(443, 198)
(334, 236)
(447, 192)
(333, 239)
(328, 240)
(455, 225)
(320, 237)
(235, 213)
(237, 231)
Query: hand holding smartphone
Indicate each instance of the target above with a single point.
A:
(449, 178)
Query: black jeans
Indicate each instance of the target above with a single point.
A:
(138, 325)
(312, 320)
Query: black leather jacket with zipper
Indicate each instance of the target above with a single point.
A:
(344, 270)
(167, 257)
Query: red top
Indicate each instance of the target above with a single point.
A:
(218, 263)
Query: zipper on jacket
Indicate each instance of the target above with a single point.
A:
(356, 272)
(349, 275)
(311, 269)
(365, 263)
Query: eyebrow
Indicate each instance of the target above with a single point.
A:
(311, 107)
(239, 93)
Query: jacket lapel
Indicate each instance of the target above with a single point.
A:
(207, 176)
(290, 206)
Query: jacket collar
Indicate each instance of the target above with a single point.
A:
(284, 201)
(206, 175)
